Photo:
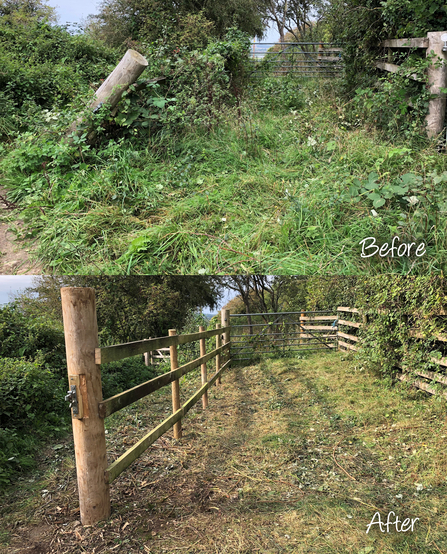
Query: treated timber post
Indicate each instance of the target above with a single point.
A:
(125, 73)
(175, 386)
(218, 345)
(81, 339)
(225, 319)
(437, 79)
(203, 368)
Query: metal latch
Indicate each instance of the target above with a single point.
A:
(74, 397)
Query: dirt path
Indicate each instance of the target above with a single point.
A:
(15, 257)
(292, 456)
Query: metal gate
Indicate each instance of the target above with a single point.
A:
(300, 58)
(281, 333)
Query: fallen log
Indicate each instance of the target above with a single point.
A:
(125, 73)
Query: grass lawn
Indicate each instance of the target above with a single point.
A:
(293, 455)
(276, 190)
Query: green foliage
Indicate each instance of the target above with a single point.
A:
(125, 374)
(29, 392)
(397, 103)
(360, 27)
(45, 67)
(31, 338)
(31, 410)
(393, 307)
(279, 94)
(127, 21)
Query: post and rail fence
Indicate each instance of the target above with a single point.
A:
(436, 73)
(406, 373)
(84, 360)
(277, 334)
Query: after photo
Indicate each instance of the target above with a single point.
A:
(223, 414)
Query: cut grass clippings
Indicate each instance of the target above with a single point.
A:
(292, 455)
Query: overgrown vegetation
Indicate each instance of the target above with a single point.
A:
(203, 170)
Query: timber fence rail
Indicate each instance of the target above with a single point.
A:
(351, 341)
(84, 358)
(436, 73)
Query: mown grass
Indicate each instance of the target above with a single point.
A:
(266, 192)
(292, 455)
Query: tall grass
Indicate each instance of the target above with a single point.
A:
(267, 192)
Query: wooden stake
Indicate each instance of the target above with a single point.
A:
(81, 339)
(218, 345)
(437, 80)
(175, 386)
(203, 368)
(225, 318)
(125, 73)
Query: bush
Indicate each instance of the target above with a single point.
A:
(119, 376)
(35, 339)
(29, 394)
(44, 66)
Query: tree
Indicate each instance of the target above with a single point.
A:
(120, 21)
(24, 10)
(128, 308)
(297, 17)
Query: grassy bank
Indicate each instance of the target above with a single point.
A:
(291, 456)
(277, 189)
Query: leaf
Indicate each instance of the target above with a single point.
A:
(379, 202)
(159, 102)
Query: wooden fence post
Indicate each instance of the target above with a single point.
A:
(175, 386)
(203, 368)
(437, 79)
(218, 345)
(225, 319)
(81, 339)
(125, 73)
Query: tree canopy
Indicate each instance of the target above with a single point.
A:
(128, 308)
(124, 21)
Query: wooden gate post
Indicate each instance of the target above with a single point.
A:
(81, 339)
(175, 386)
(203, 368)
(437, 79)
(218, 345)
(225, 319)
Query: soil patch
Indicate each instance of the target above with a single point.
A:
(15, 256)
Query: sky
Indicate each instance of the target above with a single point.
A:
(74, 12)
(12, 284)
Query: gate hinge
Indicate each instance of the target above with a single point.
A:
(74, 396)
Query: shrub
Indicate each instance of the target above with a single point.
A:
(29, 394)
(35, 339)
(119, 376)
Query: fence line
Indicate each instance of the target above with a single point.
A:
(84, 359)
(437, 74)
(403, 374)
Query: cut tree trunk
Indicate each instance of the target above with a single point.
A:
(125, 73)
